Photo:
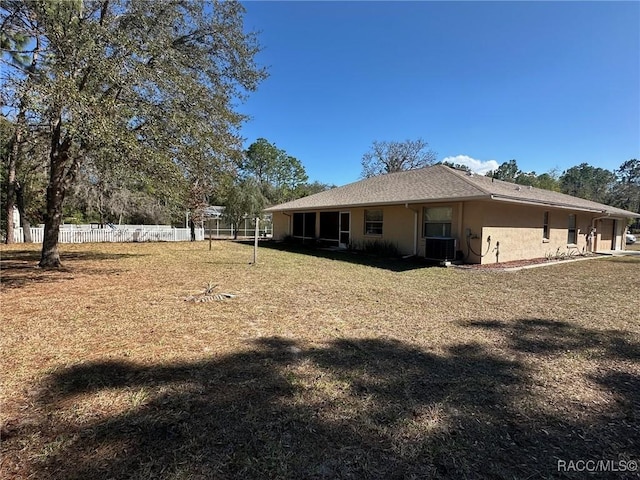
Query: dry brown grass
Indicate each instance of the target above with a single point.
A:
(635, 247)
(323, 366)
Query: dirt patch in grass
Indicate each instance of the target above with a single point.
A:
(319, 367)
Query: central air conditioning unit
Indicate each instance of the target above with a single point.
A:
(442, 249)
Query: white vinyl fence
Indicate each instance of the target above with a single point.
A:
(220, 228)
(120, 233)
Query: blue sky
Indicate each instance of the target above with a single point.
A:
(550, 84)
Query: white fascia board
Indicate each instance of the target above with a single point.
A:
(378, 204)
(563, 206)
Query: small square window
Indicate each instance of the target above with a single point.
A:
(373, 222)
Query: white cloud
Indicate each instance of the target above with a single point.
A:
(478, 166)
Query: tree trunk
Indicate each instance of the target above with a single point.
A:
(53, 219)
(101, 204)
(24, 221)
(58, 180)
(26, 230)
(192, 227)
(11, 185)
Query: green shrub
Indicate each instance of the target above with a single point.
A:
(380, 248)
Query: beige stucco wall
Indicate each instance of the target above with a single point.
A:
(473, 214)
(281, 225)
(610, 234)
(519, 231)
(397, 227)
(517, 228)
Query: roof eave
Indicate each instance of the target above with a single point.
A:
(381, 204)
(564, 206)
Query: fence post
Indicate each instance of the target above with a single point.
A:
(255, 241)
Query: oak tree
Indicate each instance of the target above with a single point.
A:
(389, 157)
(144, 83)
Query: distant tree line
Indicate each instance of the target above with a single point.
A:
(618, 188)
(259, 176)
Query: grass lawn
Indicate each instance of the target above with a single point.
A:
(635, 246)
(323, 366)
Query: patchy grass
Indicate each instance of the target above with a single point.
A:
(322, 366)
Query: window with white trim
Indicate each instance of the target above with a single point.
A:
(545, 226)
(373, 222)
(571, 235)
(437, 221)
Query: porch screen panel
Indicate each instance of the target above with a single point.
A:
(298, 224)
(304, 225)
(329, 225)
(310, 225)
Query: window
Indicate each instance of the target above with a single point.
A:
(437, 221)
(373, 222)
(304, 225)
(571, 236)
(545, 226)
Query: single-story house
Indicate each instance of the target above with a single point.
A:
(446, 214)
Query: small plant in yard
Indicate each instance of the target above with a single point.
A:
(208, 290)
(562, 255)
(208, 295)
(381, 248)
(138, 397)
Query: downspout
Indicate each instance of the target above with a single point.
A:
(415, 229)
(460, 219)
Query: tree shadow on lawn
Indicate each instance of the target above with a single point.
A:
(350, 256)
(20, 267)
(355, 408)
(541, 336)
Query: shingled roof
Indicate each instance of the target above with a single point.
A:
(439, 183)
